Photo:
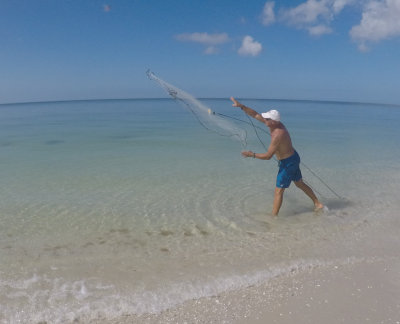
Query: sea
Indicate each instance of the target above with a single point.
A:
(111, 208)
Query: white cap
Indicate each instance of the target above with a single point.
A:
(272, 114)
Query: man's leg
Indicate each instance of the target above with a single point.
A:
(278, 197)
(309, 192)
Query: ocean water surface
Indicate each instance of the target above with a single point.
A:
(127, 207)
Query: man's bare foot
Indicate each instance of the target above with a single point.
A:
(318, 206)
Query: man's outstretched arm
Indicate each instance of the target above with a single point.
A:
(247, 110)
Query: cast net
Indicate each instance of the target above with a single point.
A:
(206, 116)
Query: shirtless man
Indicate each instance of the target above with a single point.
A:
(281, 146)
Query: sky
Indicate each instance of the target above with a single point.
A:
(336, 50)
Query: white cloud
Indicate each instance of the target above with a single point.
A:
(211, 41)
(314, 15)
(319, 30)
(338, 5)
(307, 13)
(211, 50)
(380, 20)
(250, 47)
(203, 38)
(268, 14)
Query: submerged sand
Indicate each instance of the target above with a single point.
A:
(357, 291)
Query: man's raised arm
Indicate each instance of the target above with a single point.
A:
(247, 110)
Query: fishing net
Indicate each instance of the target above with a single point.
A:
(206, 116)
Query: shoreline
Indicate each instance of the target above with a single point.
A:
(360, 292)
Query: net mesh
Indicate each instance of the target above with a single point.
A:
(206, 116)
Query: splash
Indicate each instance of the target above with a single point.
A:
(205, 116)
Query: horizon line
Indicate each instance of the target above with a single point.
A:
(200, 98)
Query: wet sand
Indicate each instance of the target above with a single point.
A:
(361, 291)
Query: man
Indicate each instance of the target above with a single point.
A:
(281, 146)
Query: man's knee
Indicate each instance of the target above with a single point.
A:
(279, 191)
(299, 183)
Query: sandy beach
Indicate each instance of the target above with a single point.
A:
(360, 291)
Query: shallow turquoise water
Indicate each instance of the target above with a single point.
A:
(131, 206)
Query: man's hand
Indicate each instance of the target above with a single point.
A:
(248, 111)
(248, 154)
(236, 103)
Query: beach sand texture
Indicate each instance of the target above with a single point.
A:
(363, 291)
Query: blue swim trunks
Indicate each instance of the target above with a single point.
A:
(289, 170)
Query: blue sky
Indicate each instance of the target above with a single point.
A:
(346, 50)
